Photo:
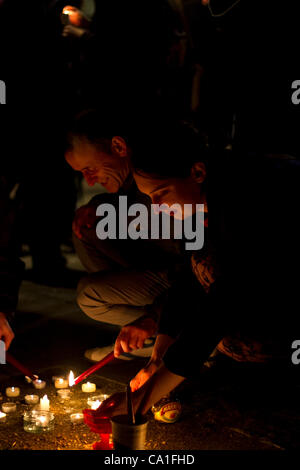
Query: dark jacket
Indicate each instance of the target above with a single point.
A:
(248, 267)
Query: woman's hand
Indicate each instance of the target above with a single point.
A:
(144, 375)
(162, 343)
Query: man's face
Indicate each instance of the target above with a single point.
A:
(97, 166)
(170, 191)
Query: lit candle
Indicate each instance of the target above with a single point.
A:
(12, 391)
(64, 393)
(95, 402)
(76, 418)
(2, 417)
(88, 387)
(38, 421)
(39, 384)
(61, 383)
(31, 399)
(42, 421)
(9, 407)
(44, 403)
(71, 379)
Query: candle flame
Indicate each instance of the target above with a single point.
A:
(96, 404)
(45, 397)
(71, 379)
(67, 11)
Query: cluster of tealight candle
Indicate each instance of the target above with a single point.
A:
(39, 414)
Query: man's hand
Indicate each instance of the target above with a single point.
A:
(73, 31)
(133, 336)
(162, 343)
(85, 217)
(6, 332)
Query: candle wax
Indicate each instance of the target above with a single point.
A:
(88, 387)
(31, 399)
(44, 403)
(12, 391)
(9, 407)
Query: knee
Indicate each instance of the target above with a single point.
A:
(89, 299)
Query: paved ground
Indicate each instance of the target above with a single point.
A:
(236, 408)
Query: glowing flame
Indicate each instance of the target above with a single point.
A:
(96, 404)
(71, 379)
(67, 11)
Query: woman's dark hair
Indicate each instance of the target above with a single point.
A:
(169, 150)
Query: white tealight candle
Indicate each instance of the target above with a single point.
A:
(31, 399)
(88, 387)
(95, 402)
(2, 417)
(44, 403)
(39, 384)
(61, 383)
(12, 391)
(9, 407)
(76, 418)
(64, 393)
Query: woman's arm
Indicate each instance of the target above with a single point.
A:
(153, 390)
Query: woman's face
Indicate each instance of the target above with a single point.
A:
(170, 191)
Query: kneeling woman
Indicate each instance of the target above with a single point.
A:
(231, 295)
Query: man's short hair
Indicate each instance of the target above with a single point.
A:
(92, 126)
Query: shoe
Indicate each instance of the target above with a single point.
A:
(97, 354)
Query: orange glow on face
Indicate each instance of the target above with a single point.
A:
(75, 16)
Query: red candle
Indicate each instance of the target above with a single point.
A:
(95, 367)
